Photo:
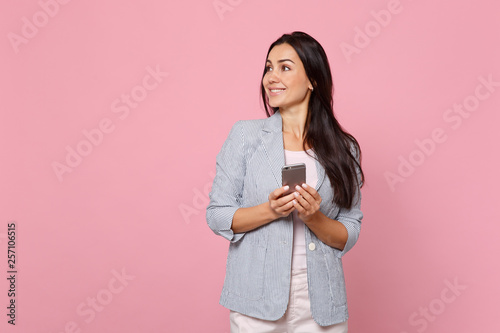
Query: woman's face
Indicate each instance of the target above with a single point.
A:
(285, 82)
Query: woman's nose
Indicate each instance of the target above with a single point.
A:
(272, 77)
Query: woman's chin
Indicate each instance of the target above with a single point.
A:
(275, 105)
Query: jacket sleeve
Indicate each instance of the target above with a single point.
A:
(351, 217)
(227, 188)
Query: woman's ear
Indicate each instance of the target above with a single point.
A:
(312, 84)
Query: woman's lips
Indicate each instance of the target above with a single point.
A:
(276, 91)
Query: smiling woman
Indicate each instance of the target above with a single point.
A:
(284, 266)
(285, 81)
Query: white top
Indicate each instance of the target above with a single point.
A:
(299, 238)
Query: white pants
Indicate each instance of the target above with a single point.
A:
(297, 318)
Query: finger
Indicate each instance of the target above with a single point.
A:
(278, 192)
(286, 199)
(306, 195)
(302, 201)
(282, 201)
(286, 209)
(310, 191)
(280, 206)
(300, 209)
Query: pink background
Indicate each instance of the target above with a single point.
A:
(135, 204)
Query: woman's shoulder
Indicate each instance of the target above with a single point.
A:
(251, 125)
(272, 123)
(252, 122)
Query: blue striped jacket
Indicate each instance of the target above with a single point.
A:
(258, 267)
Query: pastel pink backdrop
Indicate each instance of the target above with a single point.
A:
(134, 206)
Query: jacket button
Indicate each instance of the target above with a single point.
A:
(312, 246)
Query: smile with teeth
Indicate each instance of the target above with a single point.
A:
(276, 91)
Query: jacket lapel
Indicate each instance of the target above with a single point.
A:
(321, 175)
(272, 140)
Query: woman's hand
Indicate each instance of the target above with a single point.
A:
(249, 218)
(281, 206)
(306, 201)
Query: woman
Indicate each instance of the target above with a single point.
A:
(284, 269)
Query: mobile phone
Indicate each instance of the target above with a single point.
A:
(292, 175)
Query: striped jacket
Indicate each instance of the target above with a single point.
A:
(258, 267)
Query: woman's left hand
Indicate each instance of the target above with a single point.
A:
(307, 201)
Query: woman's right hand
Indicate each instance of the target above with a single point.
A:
(249, 218)
(281, 206)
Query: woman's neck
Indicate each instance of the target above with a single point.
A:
(294, 121)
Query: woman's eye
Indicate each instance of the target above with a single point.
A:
(268, 69)
(286, 68)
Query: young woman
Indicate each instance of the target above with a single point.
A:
(284, 266)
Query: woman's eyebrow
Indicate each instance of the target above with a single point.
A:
(282, 60)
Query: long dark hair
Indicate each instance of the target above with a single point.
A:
(336, 149)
